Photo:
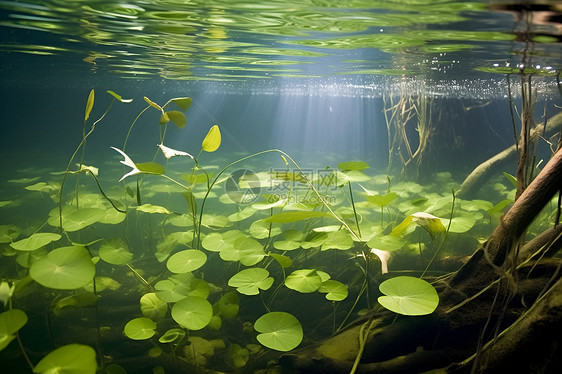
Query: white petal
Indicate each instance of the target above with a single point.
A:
(128, 160)
(169, 152)
(383, 256)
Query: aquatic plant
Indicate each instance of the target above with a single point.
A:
(277, 235)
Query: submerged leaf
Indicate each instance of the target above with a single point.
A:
(193, 312)
(119, 97)
(153, 104)
(279, 330)
(183, 102)
(177, 117)
(169, 152)
(213, 140)
(65, 268)
(89, 105)
(409, 296)
(250, 281)
(35, 241)
(64, 360)
(141, 328)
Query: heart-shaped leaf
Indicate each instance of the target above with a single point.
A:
(279, 330)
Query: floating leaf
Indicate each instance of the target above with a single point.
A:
(149, 208)
(279, 330)
(115, 251)
(89, 105)
(10, 322)
(409, 296)
(183, 102)
(64, 360)
(74, 219)
(141, 328)
(65, 268)
(186, 261)
(213, 140)
(250, 281)
(382, 200)
(35, 241)
(304, 280)
(193, 312)
(152, 307)
(119, 97)
(334, 290)
(353, 165)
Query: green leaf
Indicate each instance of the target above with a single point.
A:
(304, 280)
(35, 241)
(250, 281)
(119, 97)
(149, 208)
(177, 117)
(153, 104)
(284, 261)
(499, 207)
(10, 322)
(152, 307)
(409, 296)
(193, 312)
(279, 331)
(386, 242)
(89, 105)
(183, 102)
(334, 290)
(186, 261)
(115, 251)
(171, 290)
(228, 305)
(172, 335)
(64, 360)
(382, 200)
(294, 215)
(151, 168)
(74, 219)
(65, 268)
(353, 165)
(461, 224)
(141, 328)
(236, 356)
(213, 140)
(511, 179)
(82, 299)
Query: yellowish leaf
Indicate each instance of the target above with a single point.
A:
(213, 139)
(89, 105)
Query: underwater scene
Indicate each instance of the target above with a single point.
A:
(278, 187)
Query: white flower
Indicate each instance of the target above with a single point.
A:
(127, 162)
(6, 292)
(384, 256)
(169, 152)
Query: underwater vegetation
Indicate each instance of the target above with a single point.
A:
(175, 264)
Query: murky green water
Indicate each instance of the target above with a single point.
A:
(273, 164)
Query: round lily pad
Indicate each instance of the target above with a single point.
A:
(65, 268)
(192, 312)
(186, 261)
(250, 281)
(409, 296)
(304, 280)
(115, 251)
(279, 330)
(64, 360)
(140, 328)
